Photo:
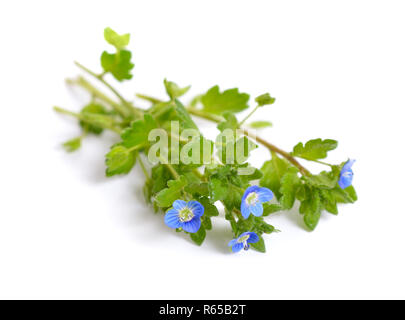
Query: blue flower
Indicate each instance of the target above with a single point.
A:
(252, 201)
(185, 215)
(346, 175)
(243, 240)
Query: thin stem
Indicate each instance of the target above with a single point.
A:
(248, 116)
(130, 107)
(143, 167)
(169, 167)
(263, 142)
(148, 98)
(321, 162)
(82, 82)
(80, 117)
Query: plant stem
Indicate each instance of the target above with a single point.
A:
(137, 112)
(80, 117)
(82, 82)
(263, 142)
(321, 162)
(148, 98)
(145, 172)
(173, 171)
(248, 116)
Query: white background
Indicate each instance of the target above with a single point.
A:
(337, 69)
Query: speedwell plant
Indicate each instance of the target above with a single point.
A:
(186, 175)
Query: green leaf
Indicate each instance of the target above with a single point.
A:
(314, 149)
(92, 108)
(218, 189)
(273, 170)
(113, 38)
(184, 117)
(230, 122)
(260, 124)
(73, 144)
(160, 176)
(173, 90)
(271, 208)
(311, 209)
(137, 134)
(230, 100)
(347, 195)
(119, 160)
(324, 180)
(264, 99)
(118, 64)
(199, 236)
(167, 196)
(289, 185)
(210, 210)
(259, 246)
(328, 201)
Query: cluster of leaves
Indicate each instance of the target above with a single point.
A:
(222, 175)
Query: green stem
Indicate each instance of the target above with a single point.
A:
(321, 162)
(80, 117)
(143, 167)
(248, 116)
(148, 98)
(137, 112)
(173, 171)
(82, 82)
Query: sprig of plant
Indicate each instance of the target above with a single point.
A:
(187, 175)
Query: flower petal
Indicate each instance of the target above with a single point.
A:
(196, 207)
(245, 209)
(192, 226)
(179, 204)
(265, 195)
(253, 237)
(348, 165)
(346, 179)
(257, 209)
(237, 247)
(172, 219)
(250, 190)
(232, 242)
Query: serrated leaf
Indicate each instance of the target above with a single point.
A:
(119, 161)
(290, 182)
(73, 144)
(167, 196)
(199, 236)
(347, 195)
(311, 209)
(314, 149)
(324, 180)
(137, 134)
(264, 99)
(328, 201)
(260, 124)
(118, 64)
(230, 100)
(173, 90)
(273, 170)
(113, 38)
(218, 189)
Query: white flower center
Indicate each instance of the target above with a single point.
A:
(252, 198)
(186, 215)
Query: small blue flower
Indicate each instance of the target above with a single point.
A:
(243, 240)
(185, 215)
(252, 201)
(346, 175)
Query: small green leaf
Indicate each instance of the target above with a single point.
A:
(259, 246)
(314, 149)
(260, 124)
(173, 90)
(119, 160)
(137, 134)
(311, 209)
(230, 100)
(271, 208)
(73, 144)
(273, 170)
(218, 189)
(210, 210)
(230, 122)
(167, 196)
(118, 64)
(289, 185)
(264, 99)
(94, 109)
(324, 180)
(199, 236)
(113, 38)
